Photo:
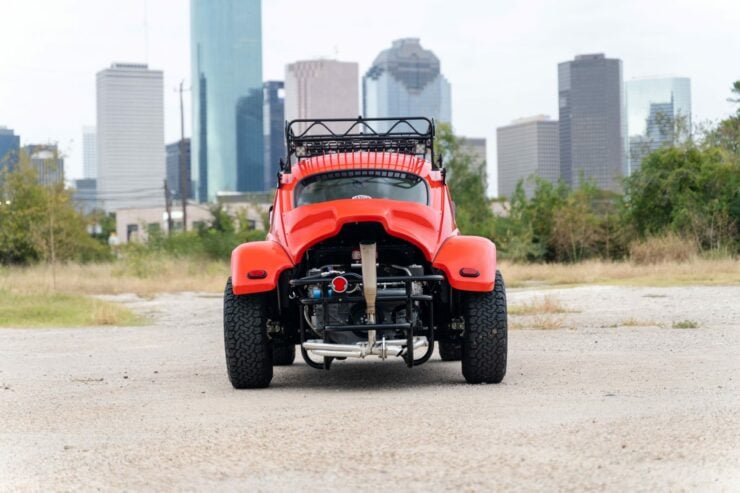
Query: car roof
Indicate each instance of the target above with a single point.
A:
(361, 160)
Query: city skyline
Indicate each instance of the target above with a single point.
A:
(520, 45)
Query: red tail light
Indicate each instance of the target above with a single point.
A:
(339, 284)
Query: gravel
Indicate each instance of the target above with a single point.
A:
(616, 400)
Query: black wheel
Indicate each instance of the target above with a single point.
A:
(450, 351)
(248, 349)
(283, 354)
(484, 340)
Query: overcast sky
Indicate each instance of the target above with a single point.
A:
(500, 56)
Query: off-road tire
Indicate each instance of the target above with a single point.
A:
(450, 351)
(283, 354)
(248, 349)
(484, 340)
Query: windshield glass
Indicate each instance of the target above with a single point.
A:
(362, 184)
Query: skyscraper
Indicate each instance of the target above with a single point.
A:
(89, 152)
(226, 51)
(321, 89)
(405, 80)
(274, 135)
(592, 123)
(477, 149)
(527, 147)
(9, 145)
(47, 162)
(173, 168)
(658, 113)
(130, 109)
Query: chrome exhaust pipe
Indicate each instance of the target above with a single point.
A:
(369, 257)
(382, 349)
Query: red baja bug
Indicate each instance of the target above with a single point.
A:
(363, 258)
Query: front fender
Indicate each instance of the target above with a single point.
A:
(475, 252)
(268, 256)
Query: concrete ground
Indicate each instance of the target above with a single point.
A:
(614, 400)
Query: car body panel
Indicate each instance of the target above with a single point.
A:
(468, 252)
(268, 255)
(431, 227)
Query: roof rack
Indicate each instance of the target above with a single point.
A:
(316, 137)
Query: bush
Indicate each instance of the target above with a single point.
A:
(666, 248)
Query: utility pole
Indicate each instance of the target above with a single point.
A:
(184, 179)
(168, 207)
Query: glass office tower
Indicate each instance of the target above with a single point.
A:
(658, 114)
(405, 80)
(227, 141)
(274, 130)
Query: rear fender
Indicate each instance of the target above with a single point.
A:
(267, 256)
(470, 252)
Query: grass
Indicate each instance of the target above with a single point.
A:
(696, 271)
(148, 275)
(686, 324)
(545, 313)
(145, 277)
(547, 321)
(546, 304)
(60, 310)
(636, 322)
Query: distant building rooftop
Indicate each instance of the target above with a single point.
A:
(138, 66)
(591, 56)
(530, 119)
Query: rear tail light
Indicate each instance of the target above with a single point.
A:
(257, 274)
(469, 272)
(339, 284)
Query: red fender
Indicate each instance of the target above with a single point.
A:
(267, 256)
(469, 252)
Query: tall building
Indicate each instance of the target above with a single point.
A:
(592, 122)
(130, 126)
(321, 89)
(405, 80)
(476, 147)
(274, 134)
(9, 146)
(658, 113)
(527, 147)
(226, 60)
(85, 196)
(47, 161)
(89, 152)
(173, 168)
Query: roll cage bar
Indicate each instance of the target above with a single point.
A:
(306, 138)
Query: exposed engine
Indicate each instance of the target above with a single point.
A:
(341, 259)
(390, 306)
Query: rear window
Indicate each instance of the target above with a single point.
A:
(362, 184)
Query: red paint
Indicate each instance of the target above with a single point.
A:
(431, 227)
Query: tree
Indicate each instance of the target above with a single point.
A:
(690, 191)
(466, 178)
(39, 222)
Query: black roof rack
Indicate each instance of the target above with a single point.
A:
(316, 137)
